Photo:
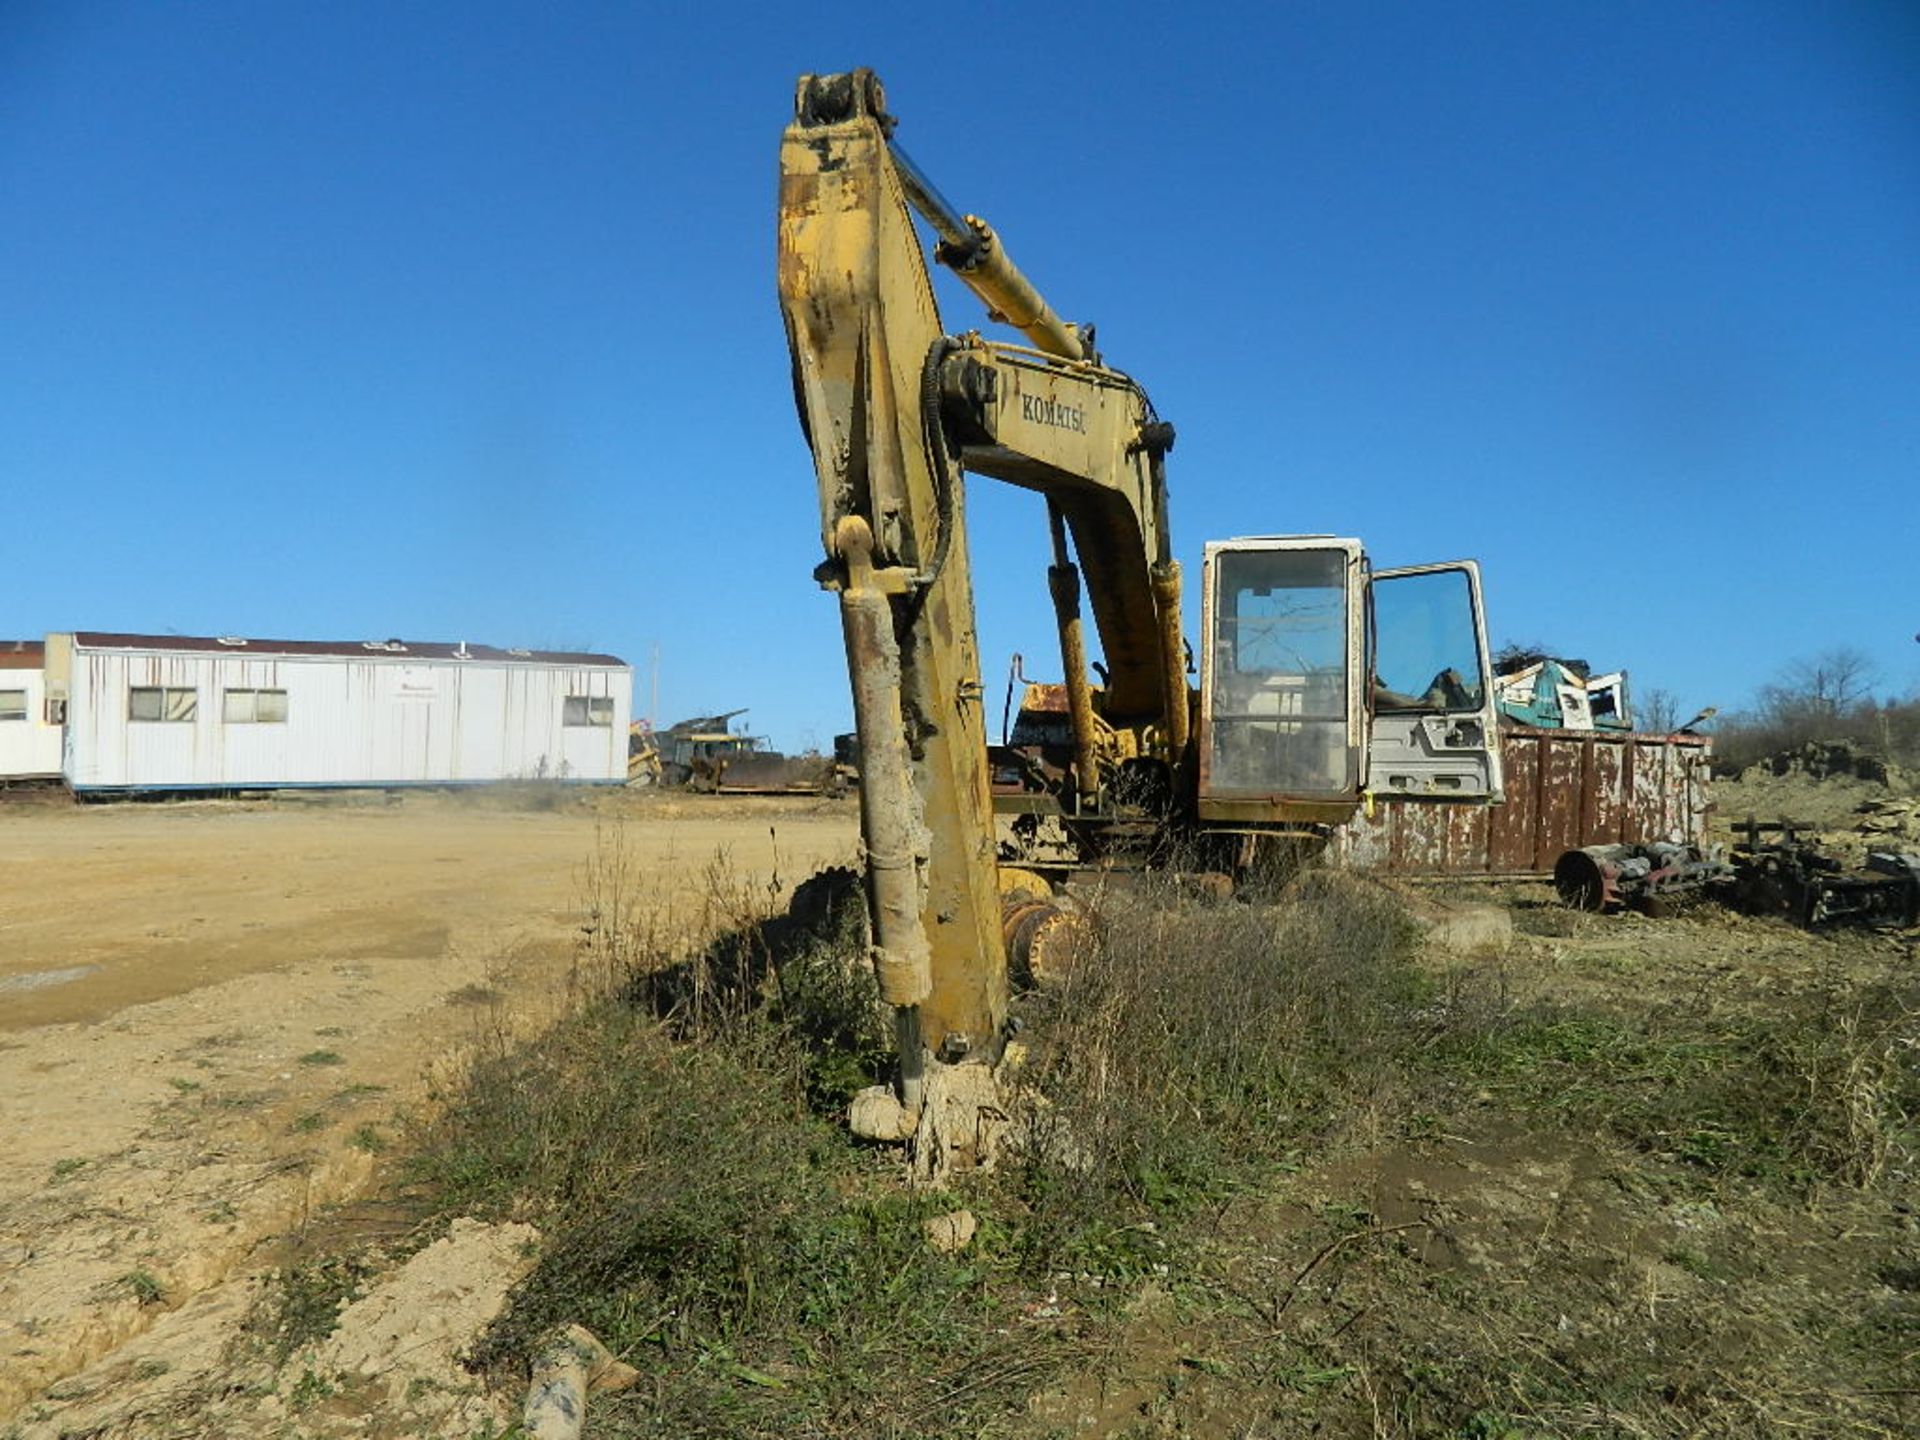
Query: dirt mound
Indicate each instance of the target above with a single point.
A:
(1826, 785)
(1825, 760)
(390, 1366)
(1844, 815)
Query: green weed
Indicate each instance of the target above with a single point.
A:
(302, 1304)
(309, 1390)
(1817, 1095)
(368, 1138)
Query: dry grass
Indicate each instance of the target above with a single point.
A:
(1198, 1045)
(1371, 1199)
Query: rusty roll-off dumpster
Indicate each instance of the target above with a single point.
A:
(1565, 790)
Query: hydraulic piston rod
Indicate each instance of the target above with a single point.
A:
(1063, 581)
(925, 196)
(970, 248)
(889, 806)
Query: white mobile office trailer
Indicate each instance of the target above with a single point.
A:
(29, 732)
(172, 712)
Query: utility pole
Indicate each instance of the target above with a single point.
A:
(653, 696)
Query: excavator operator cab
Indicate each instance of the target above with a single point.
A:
(1281, 700)
(1321, 680)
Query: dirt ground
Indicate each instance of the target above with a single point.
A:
(210, 1014)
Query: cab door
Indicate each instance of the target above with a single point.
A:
(1434, 729)
(1282, 709)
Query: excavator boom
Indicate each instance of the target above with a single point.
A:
(861, 324)
(894, 408)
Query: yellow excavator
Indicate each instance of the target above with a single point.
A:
(1321, 682)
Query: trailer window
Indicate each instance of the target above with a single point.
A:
(162, 703)
(1279, 710)
(587, 710)
(13, 704)
(255, 707)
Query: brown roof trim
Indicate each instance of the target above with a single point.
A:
(22, 654)
(355, 649)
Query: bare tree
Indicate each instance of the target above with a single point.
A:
(1656, 710)
(1817, 692)
(1826, 698)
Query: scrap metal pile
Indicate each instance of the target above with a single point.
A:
(1555, 694)
(705, 755)
(1793, 878)
(1772, 869)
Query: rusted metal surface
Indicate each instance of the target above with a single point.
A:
(1565, 790)
(1798, 881)
(1603, 878)
(1044, 935)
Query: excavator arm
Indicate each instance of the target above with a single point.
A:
(894, 409)
(1088, 439)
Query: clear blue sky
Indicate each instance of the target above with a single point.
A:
(456, 320)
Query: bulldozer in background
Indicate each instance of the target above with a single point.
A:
(704, 755)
